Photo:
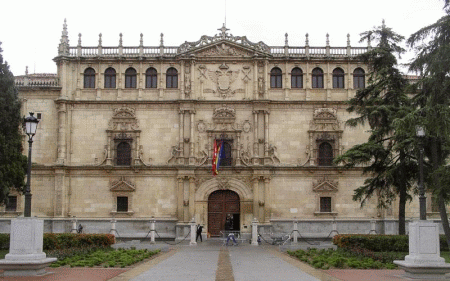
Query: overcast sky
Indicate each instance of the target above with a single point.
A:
(31, 30)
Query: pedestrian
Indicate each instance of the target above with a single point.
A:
(231, 237)
(199, 233)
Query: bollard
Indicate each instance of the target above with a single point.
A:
(373, 227)
(152, 231)
(74, 226)
(193, 232)
(295, 232)
(113, 227)
(255, 232)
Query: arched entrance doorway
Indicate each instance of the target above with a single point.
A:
(223, 211)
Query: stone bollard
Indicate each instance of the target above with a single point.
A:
(74, 226)
(113, 230)
(255, 232)
(373, 227)
(193, 232)
(295, 232)
(152, 231)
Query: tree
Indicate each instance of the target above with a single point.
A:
(432, 61)
(13, 165)
(386, 156)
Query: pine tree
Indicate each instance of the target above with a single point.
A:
(432, 61)
(13, 165)
(385, 156)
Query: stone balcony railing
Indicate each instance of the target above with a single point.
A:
(37, 80)
(286, 51)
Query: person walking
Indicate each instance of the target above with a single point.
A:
(199, 233)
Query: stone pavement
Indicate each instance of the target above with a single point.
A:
(211, 261)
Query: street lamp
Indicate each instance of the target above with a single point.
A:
(30, 126)
(420, 133)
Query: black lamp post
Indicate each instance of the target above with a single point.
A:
(30, 125)
(420, 133)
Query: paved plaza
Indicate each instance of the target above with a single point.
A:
(209, 261)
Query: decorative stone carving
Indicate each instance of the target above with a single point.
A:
(223, 79)
(122, 185)
(325, 185)
(224, 36)
(224, 115)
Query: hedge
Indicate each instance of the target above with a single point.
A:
(379, 243)
(53, 241)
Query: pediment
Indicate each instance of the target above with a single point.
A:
(325, 185)
(223, 49)
(122, 185)
(223, 45)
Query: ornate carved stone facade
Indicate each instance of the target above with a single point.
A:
(163, 108)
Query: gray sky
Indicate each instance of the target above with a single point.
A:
(33, 29)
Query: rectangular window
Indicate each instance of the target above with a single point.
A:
(11, 206)
(151, 81)
(358, 82)
(130, 81)
(122, 204)
(325, 204)
(297, 82)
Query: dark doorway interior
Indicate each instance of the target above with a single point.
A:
(223, 212)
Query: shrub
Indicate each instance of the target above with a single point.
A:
(4, 241)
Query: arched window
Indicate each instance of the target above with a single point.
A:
(110, 78)
(359, 79)
(89, 78)
(172, 78)
(227, 159)
(317, 78)
(123, 154)
(151, 78)
(338, 78)
(130, 78)
(275, 78)
(325, 154)
(297, 78)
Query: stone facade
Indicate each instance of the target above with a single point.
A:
(165, 107)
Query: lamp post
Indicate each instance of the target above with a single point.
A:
(420, 133)
(30, 124)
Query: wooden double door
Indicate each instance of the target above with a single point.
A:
(223, 212)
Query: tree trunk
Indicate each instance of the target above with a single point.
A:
(401, 212)
(437, 159)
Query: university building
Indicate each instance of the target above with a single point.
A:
(127, 133)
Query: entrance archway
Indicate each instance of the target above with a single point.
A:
(223, 211)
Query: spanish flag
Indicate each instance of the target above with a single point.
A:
(217, 155)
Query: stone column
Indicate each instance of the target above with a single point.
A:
(266, 133)
(255, 232)
(181, 138)
(61, 133)
(193, 232)
(59, 194)
(255, 79)
(191, 138)
(192, 77)
(266, 79)
(255, 138)
(255, 181)
(152, 231)
(113, 230)
(183, 96)
(238, 149)
(74, 226)
(295, 232)
(180, 199)
(109, 160)
(267, 206)
(191, 197)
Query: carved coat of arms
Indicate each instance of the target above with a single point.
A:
(224, 78)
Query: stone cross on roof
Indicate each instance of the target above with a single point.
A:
(224, 31)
